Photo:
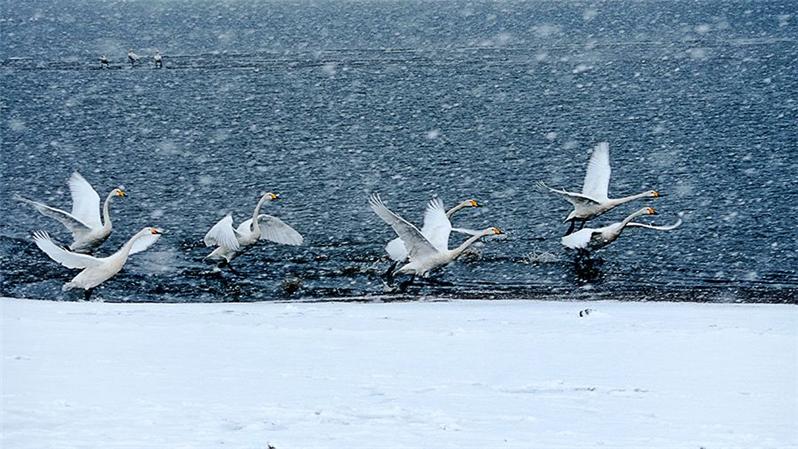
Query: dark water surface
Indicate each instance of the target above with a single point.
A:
(326, 102)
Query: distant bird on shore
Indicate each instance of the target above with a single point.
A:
(104, 61)
(594, 200)
(231, 241)
(424, 255)
(132, 58)
(88, 231)
(158, 60)
(437, 228)
(592, 239)
(96, 270)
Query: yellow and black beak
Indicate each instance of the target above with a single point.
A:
(156, 231)
(497, 231)
(121, 193)
(474, 203)
(274, 196)
(656, 194)
(651, 211)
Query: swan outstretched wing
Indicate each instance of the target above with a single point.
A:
(277, 231)
(417, 245)
(222, 234)
(437, 226)
(597, 177)
(61, 255)
(85, 201)
(577, 199)
(658, 228)
(578, 240)
(396, 250)
(75, 226)
(143, 242)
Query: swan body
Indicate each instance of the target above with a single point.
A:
(423, 254)
(88, 230)
(592, 239)
(132, 57)
(231, 241)
(96, 270)
(437, 228)
(594, 199)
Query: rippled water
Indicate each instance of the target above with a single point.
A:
(326, 102)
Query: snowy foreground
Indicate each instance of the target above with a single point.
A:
(471, 374)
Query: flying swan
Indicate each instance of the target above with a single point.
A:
(88, 232)
(96, 270)
(436, 229)
(593, 201)
(424, 255)
(231, 241)
(592, 239)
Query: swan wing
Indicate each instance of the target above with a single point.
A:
(277, 231)
(143, 242)
(437, 226)
(576, 199)
(85, 201)
(658, 228)
(75, 226)
(222, 234)
(578, 240)
(396, 250)
(417, 245)
(61, 255)
(597, 177)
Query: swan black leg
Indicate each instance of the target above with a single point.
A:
(571, 228)
(403, 286)
(389, 273)
(581, 224)
(87, 293)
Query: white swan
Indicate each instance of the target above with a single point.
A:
(593, 201)
(88, 232)
(132, 57)
(424, 256)
(232, 241)
(592, 239)
(437, 228)
(96, 270)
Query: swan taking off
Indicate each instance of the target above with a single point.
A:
(231, 241)
(424, 255)
(96, 270)
(437, 228)
(592, 239)
(88, 232)
(594, 200)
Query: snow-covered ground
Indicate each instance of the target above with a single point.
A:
(462, 374)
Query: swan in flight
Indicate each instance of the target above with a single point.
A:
(436, 229)
(231, 241)
(593, 201)
(88, 232)
(132, 57)
(424, 255)
(96, 270)
(592, 239)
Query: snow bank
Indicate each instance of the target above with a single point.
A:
(481, 374)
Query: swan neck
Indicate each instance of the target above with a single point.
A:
(631, 217)
(626, 199)
(459, 250)
(107, 211)
(454, 210)
(256, 212)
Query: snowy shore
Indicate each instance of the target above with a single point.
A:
(459, 374)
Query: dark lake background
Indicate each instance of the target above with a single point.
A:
(328, 101)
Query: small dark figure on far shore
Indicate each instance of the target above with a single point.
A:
(132, 57)
(104, 61)
(158, 60)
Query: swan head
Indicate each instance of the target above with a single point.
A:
(119, 191)
(271, 196)
(651, 211)
(472, 203)
(654, 194)
(155, 231)
(495, 231)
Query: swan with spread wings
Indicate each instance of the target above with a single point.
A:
(88, 230)
(231, 241)
(593, 239)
